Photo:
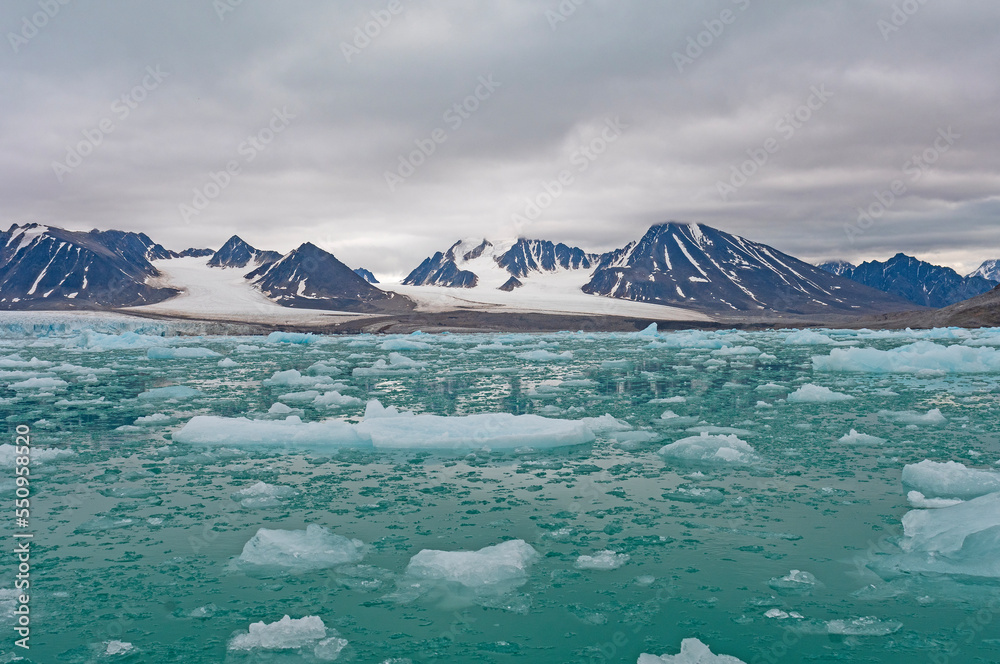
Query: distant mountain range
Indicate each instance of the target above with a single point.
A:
(988, 270)
(917, 281)
(681, 265)
(690, 266)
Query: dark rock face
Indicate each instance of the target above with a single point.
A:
(511, 284)
(441, 269)
(366, 275)
(195, 253)
(311, 278)
(528, 256)
(237, 253)
(697, 266)
(920, 282)
(52, 268)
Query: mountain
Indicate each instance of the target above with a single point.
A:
(988, 270)
(194, 253)
(979, 311)
(836, 267)
(919, 282)
(697, 266)
(51, 268)
(237, 253)
(311, 278)
(466, 262)
(366, 275)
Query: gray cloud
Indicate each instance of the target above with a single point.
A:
(323, 177)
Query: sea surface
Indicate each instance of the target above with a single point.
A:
(770, 532)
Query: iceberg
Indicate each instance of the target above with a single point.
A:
(722, 449)
(855, 438)
(301, 550)
(291, 338)
(500, 567)
(184, 353)
(307, 635)
(949, 480)
(933, 416)
(692, 651)
(602, 560)
(810, 393)
(915, 358)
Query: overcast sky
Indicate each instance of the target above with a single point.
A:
(667, 97)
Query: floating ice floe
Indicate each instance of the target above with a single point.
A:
(227, 362)
(306, 635)
(602, 560)
(403, 344)
(808, 338)
(388, 428)
(263, 494)
(931, 417)
(182, 353)
(93, 340)
(172, 392)
(293, 378)
(796, 582)
(42, 383)
(949, 480)
(810, 393)
(545, 356)
(962, 540)
(722, 449)
(397, 365)
(693, 651)
(866, 626)
(115, 647)
(301, 550)
(855, 438)
(916, 358)
(501, 567)
(291, 338)
(38, 455)
(920, 501)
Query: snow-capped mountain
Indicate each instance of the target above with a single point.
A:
(366, 275)
(466, 261)
(836, 267)
(51, 268)
(919, 282)
(310, 278)
(988, 270)
(693, 265)
(237, 253)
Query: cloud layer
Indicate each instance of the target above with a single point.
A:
(384, 130)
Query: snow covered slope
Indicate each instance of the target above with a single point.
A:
(697, 266)
(988, 270)
(225, 294)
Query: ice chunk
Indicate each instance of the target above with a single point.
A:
(403, 344)
(915, 358)
(39, 384)
(963, 539)
(240, 431)
(293, 378)
(93, 340)
(309, 549)
(950, 480)
(397, 364)
(290, 338)
(855, 438)
(693, 651)
(543, 355)
(307, 634)
(173, 392)
(116, 647)
(227, 362)
(795, 582)
(867, 626)
(810, 393)
(38, 454)
(502, 566)
(335, 399)
(263, 494)
(602, 560)
(711, 449)
(183, 353)
(919, 500)
(933, 416)
(808, 338)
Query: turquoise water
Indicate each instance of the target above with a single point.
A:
(137, 537)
